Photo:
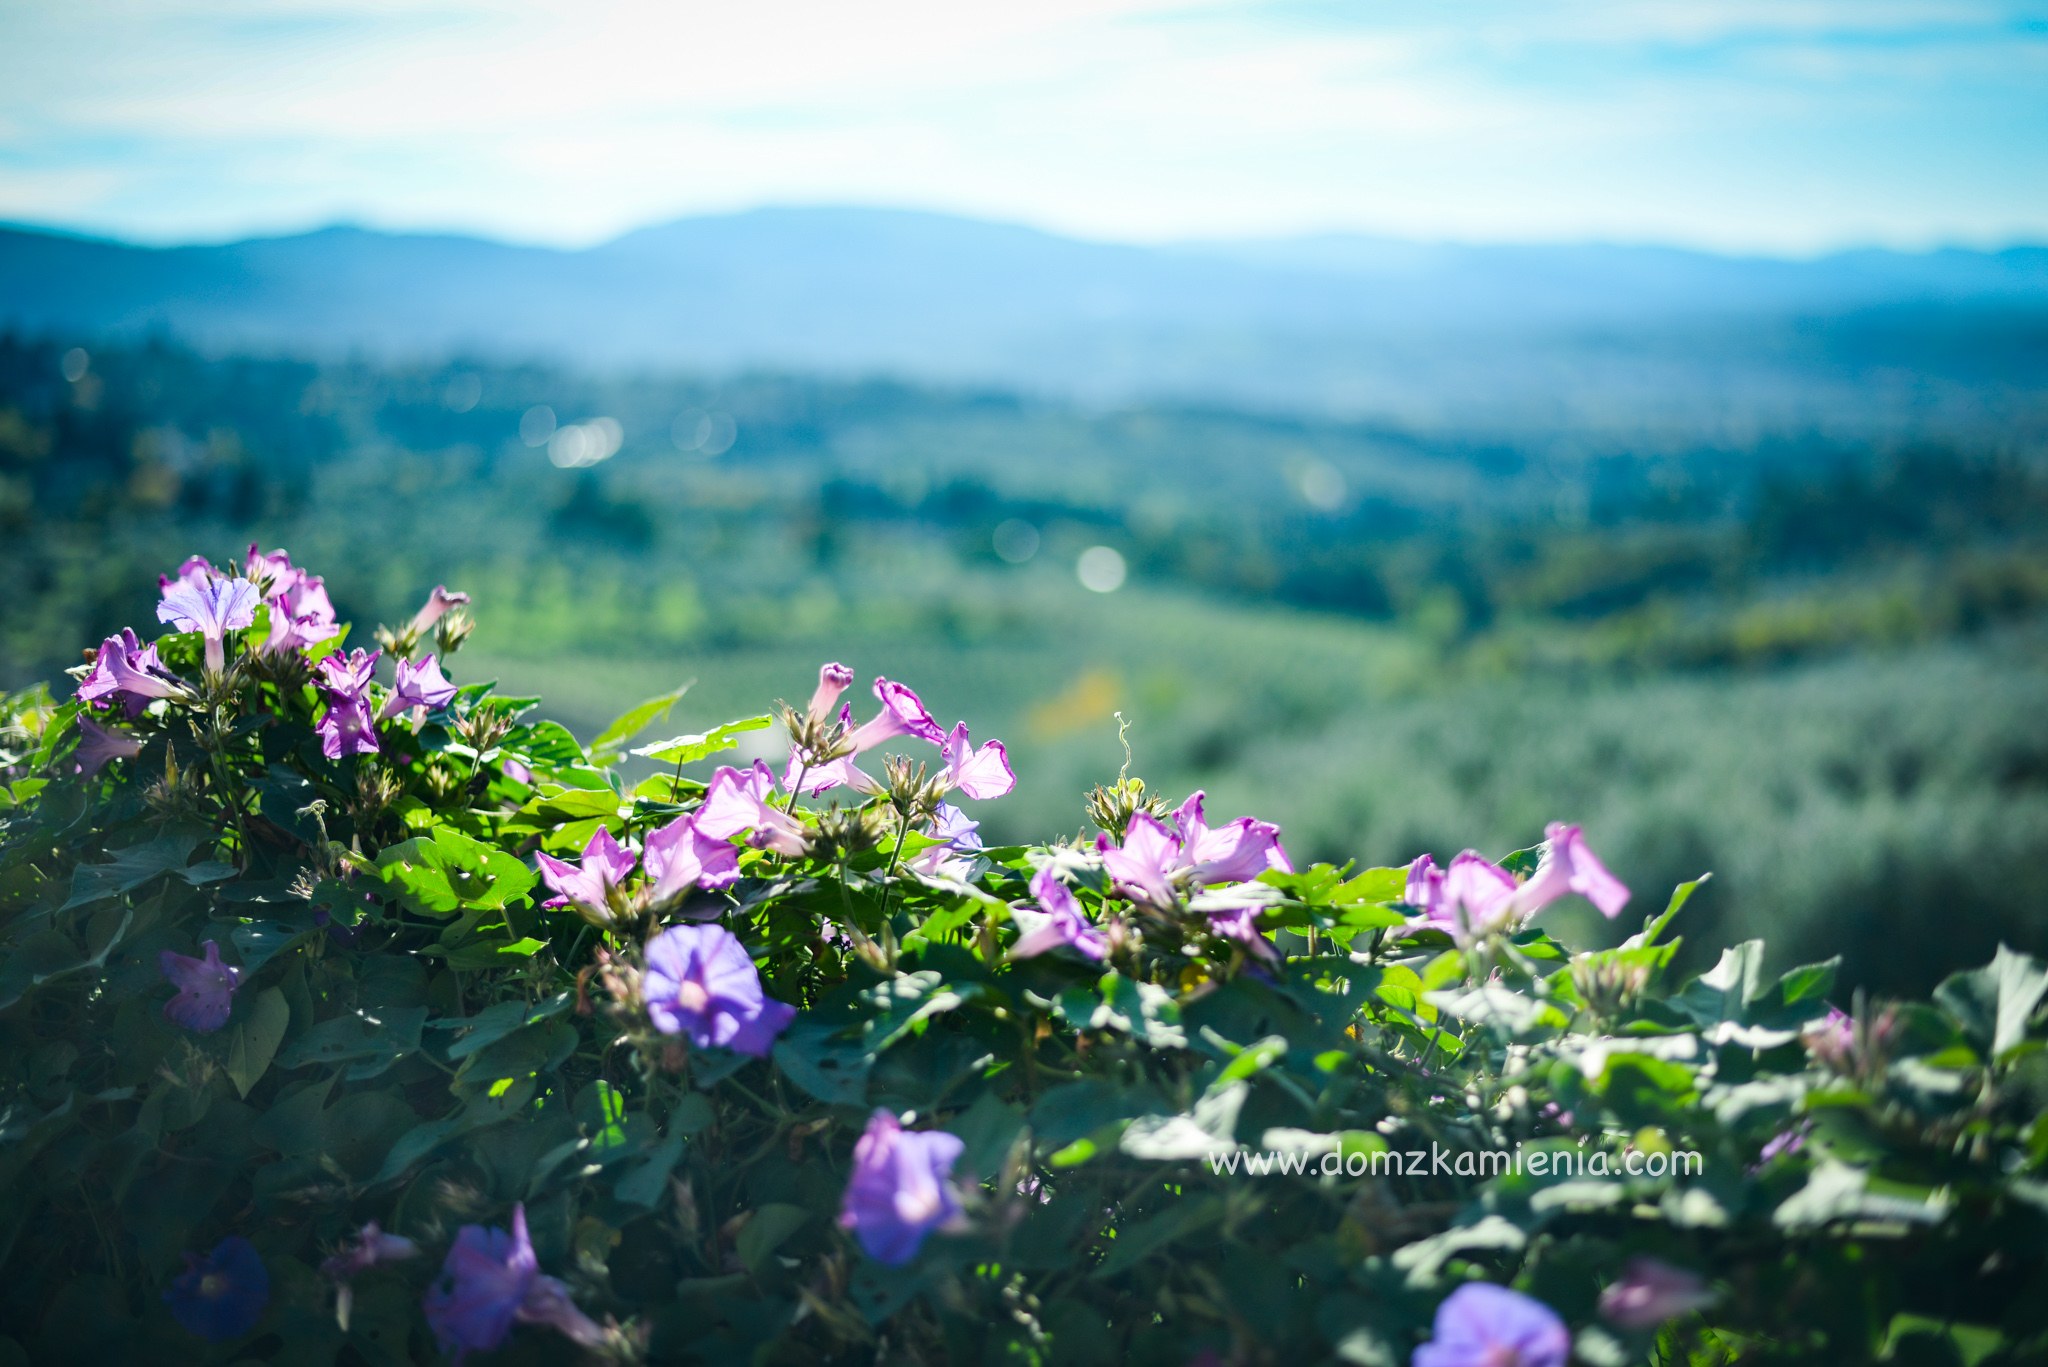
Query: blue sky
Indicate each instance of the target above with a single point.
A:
(1783, 126)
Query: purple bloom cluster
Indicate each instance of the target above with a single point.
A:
(491, 1280)
(901, 1189)
(1154, 863)
(677, 857)
(979, 772)
(1475, 896)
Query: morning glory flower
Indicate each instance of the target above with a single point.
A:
(977, 773)
(901, 1188)
(438, 605)
(489, 1281)
(1056, 922)
(273, 573)
(1482, 1325)
(127, 671)
(197, 571)
(1425, 890)
(347, 727)
(955, 858)
(419, 685)
(1651, 1291)
(1143, 867)
(206, 988)
(1479, 895)
(817, 778)
(1235, 853)
(301, 614)
(737, 800)
(97, 745)
(679, 856)
(212, 609)
(1241, 924)
(902, 714)
(1568, 866)
(701, 983)
(223, 1295)
(588, 887)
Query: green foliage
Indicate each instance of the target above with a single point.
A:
(1289, 1145)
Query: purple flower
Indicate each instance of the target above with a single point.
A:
(1143, 867)
(206, 989)
(1479, 895)
(1056, 922)
(1568, 866)
(1425, 890)
(902, 714)
(954, 858)
(1783, 1145)
(1832, 1037)
(419, 686)
(97, 745)
(589, 887)
(1235, 853)
(737, 800)
(833, 679)
(900, 1190)
(1242, 925)
(223, 1295)
(197, 570)
(300, 612)
(127, 670)
(1650, 1292)
(438, 605)
(820, 778)
(700, 983)
(977, 773)
(491, 1279)
(679, 856)
(1482, 1325)
(347, 727)
(212, 609)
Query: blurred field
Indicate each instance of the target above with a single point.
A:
(1818, 671)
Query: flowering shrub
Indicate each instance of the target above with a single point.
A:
(353, 1014)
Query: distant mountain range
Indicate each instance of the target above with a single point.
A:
(1632, 337)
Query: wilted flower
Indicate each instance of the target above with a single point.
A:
(589, 888)
(347, 727)
(1568, 866)
(223, 1295)
(439, 603)
(701, 983)
(418, 685)
(370, 1247)
(492, 1279)
(1056, 922)
(1482, 1325)
(977, 773)
(737, 801)
(206, 988)
(679, 856)
(97, 745)
(129, 671)
(1651, 1291)
(900, 1190)
(902, 714)
(833, 679)
(212, 608)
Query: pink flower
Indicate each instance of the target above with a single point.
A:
(1568, 866)
(977, 773)
(902, 714)
(680, 856)
(589, 887)
(737, 801)
(419, 686)
(438, 605)
(1650, 1292)
(1056, 922)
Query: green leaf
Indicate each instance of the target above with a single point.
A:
(1145, 1011)
(690, 749)
(254, 1042)
(612, 740)
(370, 1040)
(818, 1059)
(1656, 925)
(1138, 1242)
(449, 873)
(1994, 1003)
(766, 1230)
(901, 1002)
(647, 1183)
(131, 867)
(493, 1023)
